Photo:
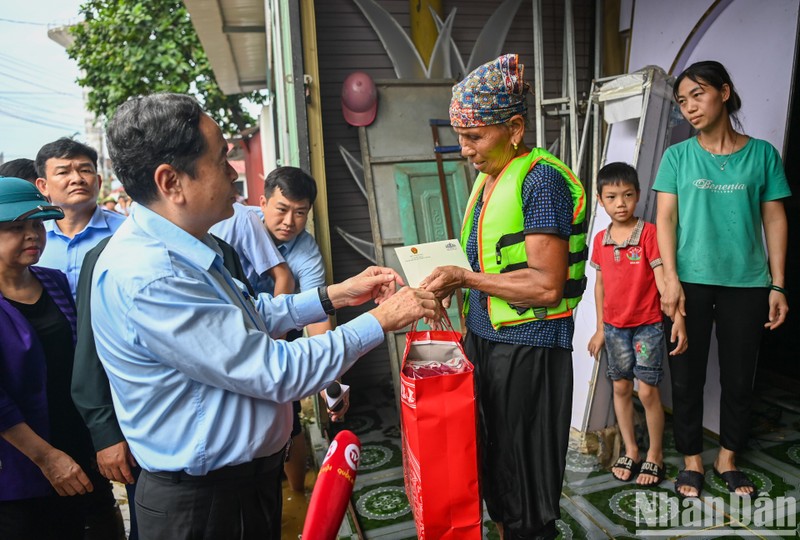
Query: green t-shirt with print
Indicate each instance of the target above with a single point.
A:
(719, 233)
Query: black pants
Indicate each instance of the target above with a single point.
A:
(131, 491)
(241, 502)
(739, 315)
(524, 410)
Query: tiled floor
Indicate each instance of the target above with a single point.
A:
(594, 505)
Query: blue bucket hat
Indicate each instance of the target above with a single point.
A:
(20, 200)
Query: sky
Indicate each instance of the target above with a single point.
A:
(39, 98)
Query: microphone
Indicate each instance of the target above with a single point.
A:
(333, 488)
(334, 395)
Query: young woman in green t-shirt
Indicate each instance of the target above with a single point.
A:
(716, 192)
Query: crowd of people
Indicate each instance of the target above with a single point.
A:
(160, 343)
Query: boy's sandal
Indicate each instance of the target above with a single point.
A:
(691, 479)
(652, 469)
(735, 479)
(624, 462)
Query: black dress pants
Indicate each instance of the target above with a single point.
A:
(241, 502)
(739, 315)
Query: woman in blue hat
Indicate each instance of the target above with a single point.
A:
(45, 449)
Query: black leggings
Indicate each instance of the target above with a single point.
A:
(739, 315)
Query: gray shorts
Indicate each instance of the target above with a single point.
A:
(636, 352)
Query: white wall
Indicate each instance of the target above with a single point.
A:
(756, 43)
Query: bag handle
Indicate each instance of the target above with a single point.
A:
(448, 325)
(445, 318)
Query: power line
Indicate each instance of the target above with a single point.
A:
(36, 121)
(30, 70)
(69, 115)
(35, 84)
(15, 21)
(23, 93)
(35, 71)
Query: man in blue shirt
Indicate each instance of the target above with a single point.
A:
(68, 178)
(201, 391)
(289, 194)
(260, 258)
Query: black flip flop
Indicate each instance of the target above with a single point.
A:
(652, 469)
(691, 479)
(624, 462)
(735, 479)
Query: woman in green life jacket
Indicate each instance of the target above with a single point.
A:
(524, 238)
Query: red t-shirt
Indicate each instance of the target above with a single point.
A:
(629, 284)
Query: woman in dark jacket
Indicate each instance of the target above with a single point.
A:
(45, 450)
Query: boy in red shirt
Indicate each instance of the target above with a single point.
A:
(629, 319)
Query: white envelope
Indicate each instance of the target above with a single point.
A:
(419, 260)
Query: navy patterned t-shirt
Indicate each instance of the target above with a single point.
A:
(547, 205)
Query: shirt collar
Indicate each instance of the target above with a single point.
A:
(97, 221)
(202, 253)
(286, 247)
(632, 240)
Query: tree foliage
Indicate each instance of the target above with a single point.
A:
(136, 47)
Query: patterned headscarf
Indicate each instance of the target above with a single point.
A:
(491, 94)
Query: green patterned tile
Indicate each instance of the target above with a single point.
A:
(788, 453)
(379, 455)
(619, 504)
(361, 422)
(569, 528)
(766, 481)
(381, 505)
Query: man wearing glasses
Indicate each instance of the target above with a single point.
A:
(68, 177)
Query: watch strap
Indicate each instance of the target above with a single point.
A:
(325, 300)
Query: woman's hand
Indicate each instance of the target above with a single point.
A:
(444, 280)
(678, 335)
(673, 299)
(778, 308)
(64, 474)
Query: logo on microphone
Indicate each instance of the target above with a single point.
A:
(331, 450)
(352, 454)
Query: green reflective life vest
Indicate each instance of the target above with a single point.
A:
(501, 237)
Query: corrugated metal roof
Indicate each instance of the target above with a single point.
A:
(233, 34)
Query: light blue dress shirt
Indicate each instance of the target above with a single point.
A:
(249, 238)
(196, 379)
(304, 260)
(66, 254)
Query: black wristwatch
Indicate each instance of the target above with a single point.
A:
(325, 300)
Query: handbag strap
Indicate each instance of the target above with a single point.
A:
(456, 340)
(448, 326)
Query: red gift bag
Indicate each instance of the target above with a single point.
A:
(439, 427)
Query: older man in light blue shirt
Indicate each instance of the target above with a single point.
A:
(201, 390)
(68, 177)
(196, 339)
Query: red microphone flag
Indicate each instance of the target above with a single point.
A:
(333, 488)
